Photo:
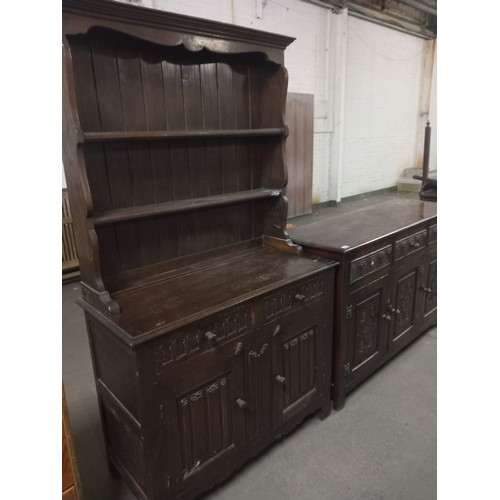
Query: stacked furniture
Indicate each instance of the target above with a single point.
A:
(386, 290)
(210, 332)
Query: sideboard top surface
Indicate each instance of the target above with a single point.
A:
(345, 232)
(160, 307)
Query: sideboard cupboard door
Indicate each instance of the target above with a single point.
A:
(367, 323)
(301, 343)
(429, 287)
(203, 416)
(404, 307)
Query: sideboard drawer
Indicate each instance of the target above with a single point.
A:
(370, 263)
(410, 244)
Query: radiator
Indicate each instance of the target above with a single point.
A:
(69, 253)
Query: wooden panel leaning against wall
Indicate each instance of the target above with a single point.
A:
(299, 153)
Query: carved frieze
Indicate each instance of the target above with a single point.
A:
(193, 340)
(410, 244)
(370, 263)
(285, 301)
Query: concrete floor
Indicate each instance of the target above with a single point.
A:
(382, 445)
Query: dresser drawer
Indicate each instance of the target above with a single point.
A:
(370, 263)
(203, 335)
(295, 297)
(410, 244)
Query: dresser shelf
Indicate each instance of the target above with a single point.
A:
(170, 207)
(146, 135)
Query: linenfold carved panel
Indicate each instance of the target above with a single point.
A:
(192, 340)
(298, 366)
(370, 263)
(205, 425)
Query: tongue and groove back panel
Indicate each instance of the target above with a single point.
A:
(128, 85)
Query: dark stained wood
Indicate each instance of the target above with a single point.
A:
(195, 297)
(299, 153)
(386, 284)
(138, 212)
(149, 311)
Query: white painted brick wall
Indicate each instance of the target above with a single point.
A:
(383, 86)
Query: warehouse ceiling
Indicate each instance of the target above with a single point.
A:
(417, 17)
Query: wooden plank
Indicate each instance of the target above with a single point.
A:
(106, 82)
(147, 135)
(86, 97)
(299, 153)
(138, 212)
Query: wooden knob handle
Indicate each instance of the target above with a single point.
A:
(281, 379)
(299, 297)
(210, 335)
(241, 403)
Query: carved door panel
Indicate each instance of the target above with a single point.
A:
(404, 305)
(367, 326)
(300, 350)
(429, 287)
(203, 413)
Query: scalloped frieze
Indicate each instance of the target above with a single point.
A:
(363, 266)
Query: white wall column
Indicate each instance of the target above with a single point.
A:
(338, 44)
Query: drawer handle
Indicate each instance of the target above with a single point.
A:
(239, 348)
(241, 403)
(414, 244)
(299, 297)
(210, 335)
(426, 290)
(394, 310)
(281, 379)
(386, 317)
(277, 329)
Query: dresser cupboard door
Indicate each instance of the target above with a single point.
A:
(258, 385)
(367, 326)
(301, 371)
(203, 414)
